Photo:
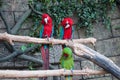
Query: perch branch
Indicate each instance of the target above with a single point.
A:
(78, 48)
(97, 58)
(27, 39)
(44, 73)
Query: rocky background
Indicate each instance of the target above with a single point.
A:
(108, 42)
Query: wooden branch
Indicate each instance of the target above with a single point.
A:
(78, 48)
(46, 73)
(97, 58)
(5, 23)
(10, 38)
(20, 21)
(35, 11)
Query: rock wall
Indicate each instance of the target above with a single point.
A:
(108, 41)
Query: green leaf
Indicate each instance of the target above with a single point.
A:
(23, 47)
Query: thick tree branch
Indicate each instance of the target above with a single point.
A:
(97, 58)
(32, 59)
(27, 39)
(16, 53)
(44, 73)
(20, 21)
(6, 24)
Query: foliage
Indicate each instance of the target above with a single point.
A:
(87, 12)
(0, 3)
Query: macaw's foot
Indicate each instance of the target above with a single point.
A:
(86, 71)
(48, 39)
(46, 36)
(71, 40)
(68, 40)
(64, 69)
(71, 70)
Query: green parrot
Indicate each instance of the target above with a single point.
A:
(67, 61)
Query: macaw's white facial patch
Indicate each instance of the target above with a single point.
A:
(67, 26)
(46, 20)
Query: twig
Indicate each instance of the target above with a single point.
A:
(35, 11)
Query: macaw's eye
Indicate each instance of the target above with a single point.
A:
(65, 55)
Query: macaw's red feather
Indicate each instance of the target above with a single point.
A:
(46, 32)
(67, 31)
(47, 27)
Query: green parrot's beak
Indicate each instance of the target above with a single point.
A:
(65, 55)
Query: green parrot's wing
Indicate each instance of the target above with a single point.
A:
(67, 63)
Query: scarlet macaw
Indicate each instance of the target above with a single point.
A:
(46, 31)
(66, 31)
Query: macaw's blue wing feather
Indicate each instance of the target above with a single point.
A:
(52, 31)
(61, 32)
(73, 30)
(41, 31)
(46, 46)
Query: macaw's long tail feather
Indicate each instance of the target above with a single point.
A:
(68, 77)
(45, 56)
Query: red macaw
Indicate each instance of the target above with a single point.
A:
(46, 31)
(66, 31)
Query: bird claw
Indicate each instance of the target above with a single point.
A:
(86, 70)
(71, 70)
(46, 36)
(64, 69)
(48, 39)
(68, 40)
(71, 40)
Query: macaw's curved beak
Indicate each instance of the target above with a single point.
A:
(46, 20)
(67, 26)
